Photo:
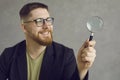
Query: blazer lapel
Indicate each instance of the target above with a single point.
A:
(47, 63)
(22, 62)
(46, 68)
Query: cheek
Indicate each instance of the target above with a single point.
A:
(51, 28)
(29, 30)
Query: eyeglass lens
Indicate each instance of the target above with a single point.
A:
(42, 21)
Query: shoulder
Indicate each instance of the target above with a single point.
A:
(62, 50)
(60, 46)
(10, 52)
(65, 54)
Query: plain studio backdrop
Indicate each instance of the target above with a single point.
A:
(70, 30)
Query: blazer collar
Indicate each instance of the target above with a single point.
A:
(46, 64)
(22, 61)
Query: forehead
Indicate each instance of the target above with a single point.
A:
(39, 13)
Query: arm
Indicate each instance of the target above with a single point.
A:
(71, 71)
(3, 68)
(4, 64)
(85, 58)
(70, 68)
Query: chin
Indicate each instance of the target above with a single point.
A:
(45, 42)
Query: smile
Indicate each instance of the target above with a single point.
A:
(45, 33)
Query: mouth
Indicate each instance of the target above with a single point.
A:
(45, 34)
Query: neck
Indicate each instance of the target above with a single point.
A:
(34, 49)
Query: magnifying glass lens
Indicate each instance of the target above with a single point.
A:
(94, 24)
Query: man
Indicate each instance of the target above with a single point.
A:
(39, 57)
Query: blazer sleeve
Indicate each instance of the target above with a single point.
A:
(70, 69)
(4, 64)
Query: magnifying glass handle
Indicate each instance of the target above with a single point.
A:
(91, 36)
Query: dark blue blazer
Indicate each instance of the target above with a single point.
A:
(59, 63)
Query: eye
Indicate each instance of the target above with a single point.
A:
(49, 19)
(39, 20)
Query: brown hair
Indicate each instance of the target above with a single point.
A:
(26, 9)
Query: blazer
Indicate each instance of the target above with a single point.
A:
(59, 63)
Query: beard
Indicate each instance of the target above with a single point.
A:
(40, 37)
(46, 41)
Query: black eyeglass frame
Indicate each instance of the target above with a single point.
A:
(49, 20)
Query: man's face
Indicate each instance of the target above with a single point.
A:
(40, 34)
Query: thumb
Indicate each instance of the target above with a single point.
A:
(85, 44)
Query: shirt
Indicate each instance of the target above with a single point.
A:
(34, 66)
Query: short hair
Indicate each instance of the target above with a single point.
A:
(26, 9)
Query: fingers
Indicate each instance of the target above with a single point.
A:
(88, 54)
(88, 43)
(89, 59)
(84, 45)
(88, 51)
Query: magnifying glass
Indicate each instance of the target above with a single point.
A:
(94, 24)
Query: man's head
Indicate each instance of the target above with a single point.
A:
(26, 9)
(37, 23)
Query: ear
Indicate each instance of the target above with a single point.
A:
(23, 27)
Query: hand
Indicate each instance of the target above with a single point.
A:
(86, 57)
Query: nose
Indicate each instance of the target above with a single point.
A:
(45, 26)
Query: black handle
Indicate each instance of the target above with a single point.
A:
(90, 38)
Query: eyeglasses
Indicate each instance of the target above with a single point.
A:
(40, 21)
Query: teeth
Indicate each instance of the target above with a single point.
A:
(45, 33)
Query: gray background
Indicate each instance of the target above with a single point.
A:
(70, 30)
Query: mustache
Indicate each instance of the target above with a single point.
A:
(45, 31)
